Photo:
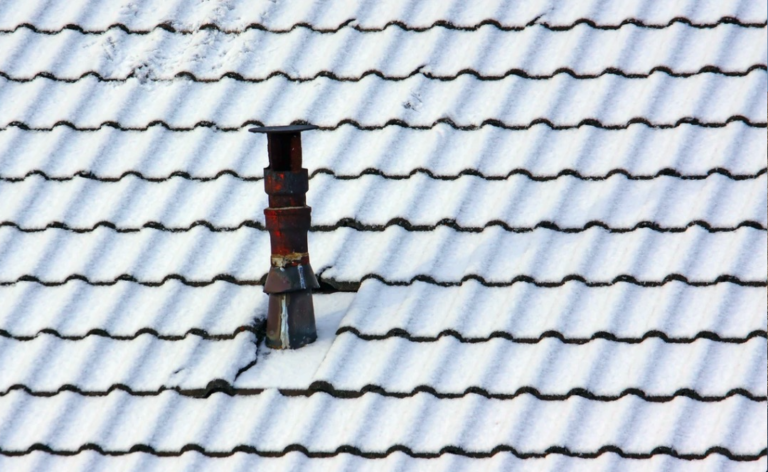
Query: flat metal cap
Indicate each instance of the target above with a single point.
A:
(283, 129)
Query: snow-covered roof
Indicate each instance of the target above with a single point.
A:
(540, 228)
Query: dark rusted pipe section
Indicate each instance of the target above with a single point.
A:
(291, 315)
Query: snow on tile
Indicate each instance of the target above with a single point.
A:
(126, 309)
(295, 369)
(519, 202)
(270, 422)
(703, 342)
(372, 200)
(104, 254)
(573, 310)
(393, 52)
(545, 255)
(551, 367)
(237, 14)
(395, 254)
(132, 203)
(373, 102)
(396, 461)
(394, 151)
(146, 363)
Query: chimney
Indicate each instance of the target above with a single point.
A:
(291, 315)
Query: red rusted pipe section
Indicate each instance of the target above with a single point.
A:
(291, 315)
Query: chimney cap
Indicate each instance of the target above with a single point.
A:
(282, 129)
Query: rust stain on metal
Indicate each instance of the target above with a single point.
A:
(290, 316)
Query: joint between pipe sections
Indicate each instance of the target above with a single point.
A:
(291, 259)
(286, 182)
(292, 278)
(288, 229)
(288, 218)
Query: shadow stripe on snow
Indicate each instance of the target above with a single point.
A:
(404, 26)
(354, 451)
(400, 333)
(401, 222)
(353, 286)
(396, 122)
(666, 172)
(224, 387)
(396, 78)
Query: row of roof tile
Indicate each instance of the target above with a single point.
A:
(373, 202)
(372, 102)
(640, 152)
(444, 256)
(488, 53)
(234, 15)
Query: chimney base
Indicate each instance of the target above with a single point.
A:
(290, 320)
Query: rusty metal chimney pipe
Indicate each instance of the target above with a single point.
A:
(291, 314)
